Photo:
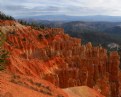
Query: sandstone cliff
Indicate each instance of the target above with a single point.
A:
(51, 55)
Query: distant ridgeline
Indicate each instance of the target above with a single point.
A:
(5, 17)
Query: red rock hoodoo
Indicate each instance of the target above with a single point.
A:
(62, 60)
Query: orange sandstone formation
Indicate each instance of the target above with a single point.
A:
(60, 59)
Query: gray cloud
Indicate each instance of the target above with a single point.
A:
(48, 8)
(66, 7)
(14, 7)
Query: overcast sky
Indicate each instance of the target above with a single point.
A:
(61, 7)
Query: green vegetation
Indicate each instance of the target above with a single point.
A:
(3, 56)
(3, 53)
(35, 26)
(40, 36)
(5, 17)
(47, 36)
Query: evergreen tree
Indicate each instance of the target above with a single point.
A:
(5, 17)
(32, 24)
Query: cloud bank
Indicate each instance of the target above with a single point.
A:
(24, 8)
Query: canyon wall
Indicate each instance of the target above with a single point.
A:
(60, 59)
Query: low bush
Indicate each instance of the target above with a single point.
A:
(3, 53)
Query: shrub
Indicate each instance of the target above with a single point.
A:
(3, 53)
(40, 36)
(47, 36)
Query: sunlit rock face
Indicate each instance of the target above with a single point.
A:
(82, 91)
(60, 59)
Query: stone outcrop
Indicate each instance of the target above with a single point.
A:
(54, 56)
(82, 91)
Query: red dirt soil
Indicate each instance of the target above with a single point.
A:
(23, 86)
